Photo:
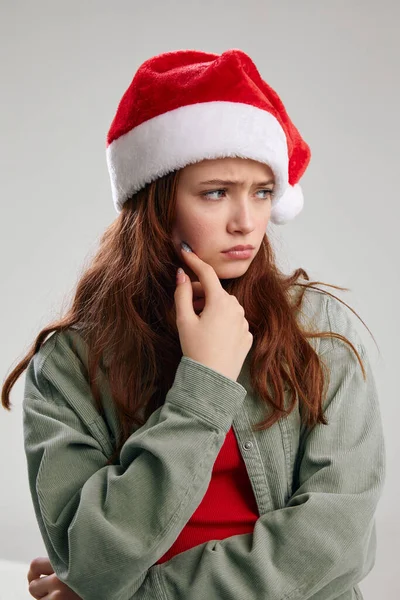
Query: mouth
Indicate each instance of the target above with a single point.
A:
(239, 248)
(243, 254)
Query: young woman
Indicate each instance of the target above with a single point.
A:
(212, 431)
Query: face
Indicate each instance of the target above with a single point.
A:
(213, 217)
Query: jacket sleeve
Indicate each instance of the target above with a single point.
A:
(323, 542)
(103, 525)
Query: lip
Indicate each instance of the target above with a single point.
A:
(238, 254)
(240, 247)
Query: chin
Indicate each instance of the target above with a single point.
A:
(232, 271)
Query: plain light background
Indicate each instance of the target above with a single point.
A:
(64, 68)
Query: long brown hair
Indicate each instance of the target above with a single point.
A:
(124, 308)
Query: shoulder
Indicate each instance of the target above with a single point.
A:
(63, 348)
(321, 312)
(57, 386)
(60, 362)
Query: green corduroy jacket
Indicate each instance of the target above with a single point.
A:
(105, 526)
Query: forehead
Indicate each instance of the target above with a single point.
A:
(226, 168)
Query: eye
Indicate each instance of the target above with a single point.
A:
(207, 194)
(270, 192)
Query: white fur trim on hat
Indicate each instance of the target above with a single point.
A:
(196, 132)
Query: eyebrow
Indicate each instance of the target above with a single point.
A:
(232, 182)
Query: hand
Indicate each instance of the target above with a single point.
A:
(219, 337)
(48, 587)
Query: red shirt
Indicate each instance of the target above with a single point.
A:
(228, 506)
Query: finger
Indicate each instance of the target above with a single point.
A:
(38, 588)
(206, 274)
(39, 566)
(50, 587)
(183, 297)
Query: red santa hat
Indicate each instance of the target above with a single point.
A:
(186, 106)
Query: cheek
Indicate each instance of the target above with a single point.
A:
(267, 215)
(202, 229)
(196, 227)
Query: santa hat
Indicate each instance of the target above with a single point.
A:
(186, 106)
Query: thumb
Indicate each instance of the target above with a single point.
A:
(183, 295)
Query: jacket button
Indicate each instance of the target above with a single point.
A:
(247, 445)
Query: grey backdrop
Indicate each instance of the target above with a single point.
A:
(64, 67)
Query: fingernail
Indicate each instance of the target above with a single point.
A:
(186, 247)
(180, 276)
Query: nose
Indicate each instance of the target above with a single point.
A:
(243, 216)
